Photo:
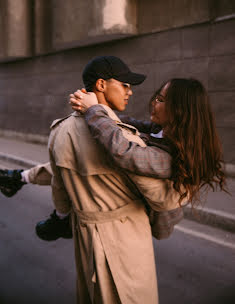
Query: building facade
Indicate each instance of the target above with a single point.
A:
(45, 44)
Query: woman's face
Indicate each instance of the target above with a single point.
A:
(158, 114)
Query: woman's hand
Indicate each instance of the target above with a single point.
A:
(81, 100)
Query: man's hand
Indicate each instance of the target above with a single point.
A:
(81, 100)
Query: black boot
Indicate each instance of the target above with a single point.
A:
(54, 228)
(10, 182)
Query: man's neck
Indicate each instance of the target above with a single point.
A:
(101, 99)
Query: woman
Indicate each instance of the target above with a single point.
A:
(182, 112)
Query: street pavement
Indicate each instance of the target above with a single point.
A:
(33, 271)
(194, 265)
(218, 209)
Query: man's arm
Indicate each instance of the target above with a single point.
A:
(148, 161)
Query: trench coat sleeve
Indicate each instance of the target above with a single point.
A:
(147, 161)
(41, 174)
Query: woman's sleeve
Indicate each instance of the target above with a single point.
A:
(142, 125)
(147, 161)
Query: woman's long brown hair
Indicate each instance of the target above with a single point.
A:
(197, 152)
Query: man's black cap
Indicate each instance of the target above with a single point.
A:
(107, 67)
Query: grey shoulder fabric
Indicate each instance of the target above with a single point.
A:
(163, 222)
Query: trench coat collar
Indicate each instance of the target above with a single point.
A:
(114, 117)
(111, 114)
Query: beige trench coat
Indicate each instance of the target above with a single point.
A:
(159, 193)
(112, 235)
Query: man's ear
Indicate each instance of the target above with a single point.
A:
(100, 85)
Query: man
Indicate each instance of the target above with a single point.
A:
(112, 235)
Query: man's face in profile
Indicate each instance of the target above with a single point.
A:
(117, 94)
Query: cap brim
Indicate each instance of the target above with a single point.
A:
(131, 78)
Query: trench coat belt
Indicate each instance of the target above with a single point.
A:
(87, 217)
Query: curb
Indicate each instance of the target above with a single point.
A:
(25, 137)
(210, 217)
(27, 163)
(214, 218)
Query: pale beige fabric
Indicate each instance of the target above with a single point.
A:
(41, 174)
(113, 246)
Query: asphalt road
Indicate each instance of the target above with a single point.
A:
(195, 265)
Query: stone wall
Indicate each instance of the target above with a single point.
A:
(15, 30)
(35, 27)
(34, 91)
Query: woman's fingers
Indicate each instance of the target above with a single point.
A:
(77, 107)
(74, 101)
(78, 94)
(81, 100)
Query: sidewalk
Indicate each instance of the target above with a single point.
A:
(219, 210)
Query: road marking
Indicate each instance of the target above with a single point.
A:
(205, 237)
